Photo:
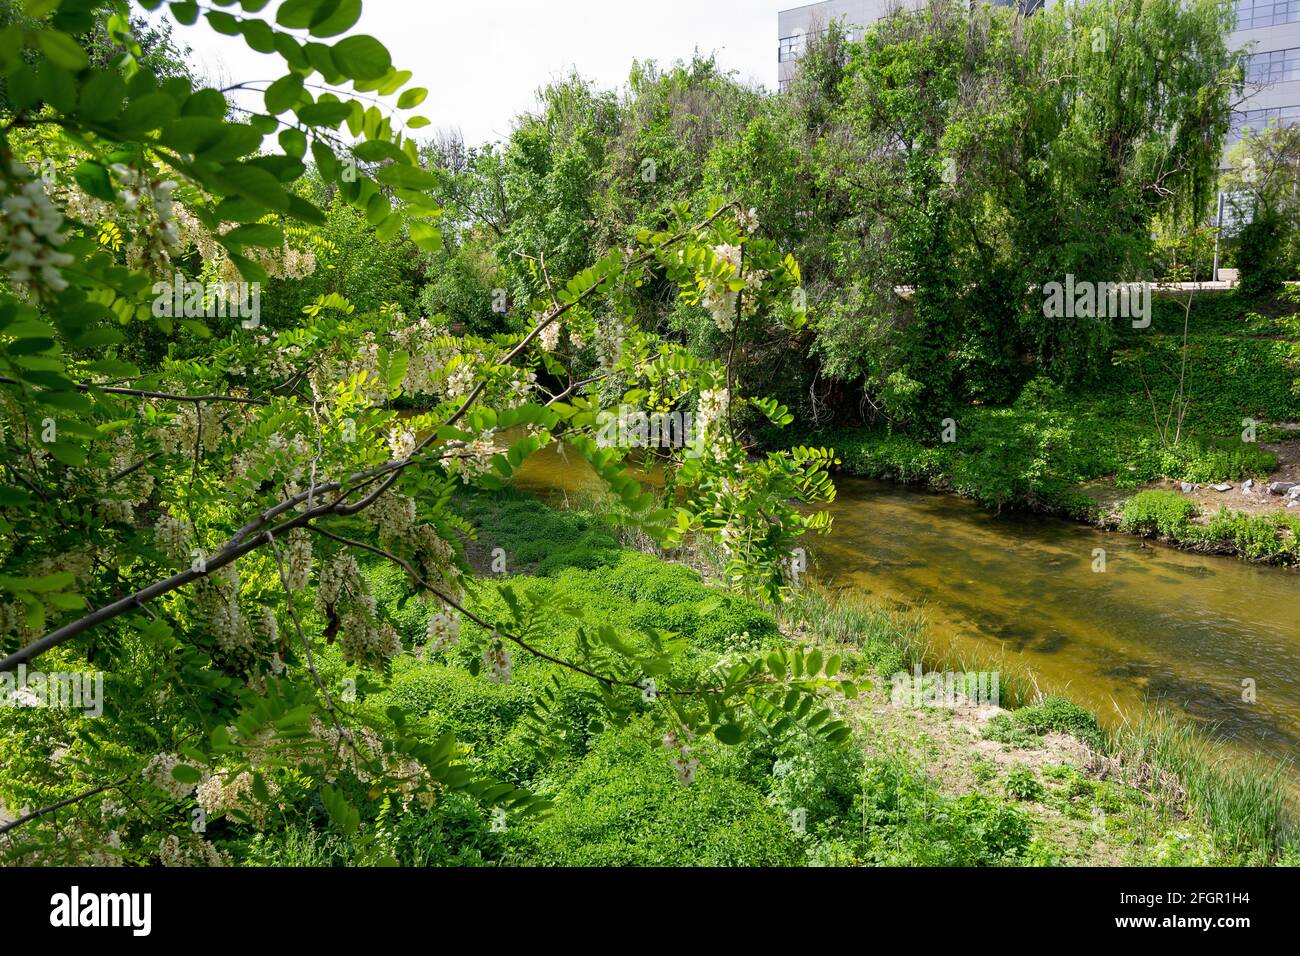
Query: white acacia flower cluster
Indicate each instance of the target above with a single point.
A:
(224, 791)
(218, 594)
(358, 369)
(711, 419)
(271, 631)
(173, 538)
(393, 514)
(137, 486)
(363, 637)
(116, 511)
(472, 459)
(409, 776)
(190, 850)
(442, 629)
(297, 560)
(682, 761)
(288, 460)
(717, 296)
(401, 442)
(435, 560)
(185, 431)
(549, 337)
(231, 627)
(158, 771)
(160, 235)
(339, 579)
(31, 230)
(520, 389)
(423, 342)
(497, 660)
(748, 220)
(460, 381)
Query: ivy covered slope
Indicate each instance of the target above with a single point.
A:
(194, 491)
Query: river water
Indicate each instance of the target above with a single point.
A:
(1158, 628)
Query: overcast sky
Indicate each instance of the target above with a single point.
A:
(483, 60)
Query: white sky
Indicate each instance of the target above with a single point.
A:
(483, 60)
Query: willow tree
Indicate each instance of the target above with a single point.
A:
(194, 531)
(978, 154)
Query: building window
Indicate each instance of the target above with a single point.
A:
(1257, 120)
(790, 48)
(1274, 66)
(1266, 13)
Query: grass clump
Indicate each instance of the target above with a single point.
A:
(1023, 727)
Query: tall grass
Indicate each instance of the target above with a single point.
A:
(1245, 805)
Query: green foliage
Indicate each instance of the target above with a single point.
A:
(1022, 784)
(622, 806)
(1158, 512)
(1057, 714)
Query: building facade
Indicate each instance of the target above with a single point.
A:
(1270, 29)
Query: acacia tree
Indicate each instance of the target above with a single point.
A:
(197, 529)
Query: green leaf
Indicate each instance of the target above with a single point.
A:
(255, 234)
(258, 35)
(257, 184)
(186, 13)
(426, 237)
(343, 18)
(57, 87)
(61, 50)
(412, 97)
(407, 177)
(362, 57)
(294, 142)
(729, 734)
(186, 774)
(102, 97)
(284, 93)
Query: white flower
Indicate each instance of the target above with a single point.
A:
(172, 537)
(443, 629)
(550, 336)
(401, 441)
(497, 661)
(297, 559)
(158, 771)
(31, 229)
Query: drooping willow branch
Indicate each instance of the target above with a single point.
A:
(261, 529)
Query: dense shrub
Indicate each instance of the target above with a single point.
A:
(623, 806)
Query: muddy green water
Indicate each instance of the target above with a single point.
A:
(1159, 628)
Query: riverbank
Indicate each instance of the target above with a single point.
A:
(1223, 412)
(1155, 791)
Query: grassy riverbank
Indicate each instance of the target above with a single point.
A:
(1040, 785)
(1084, 453)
